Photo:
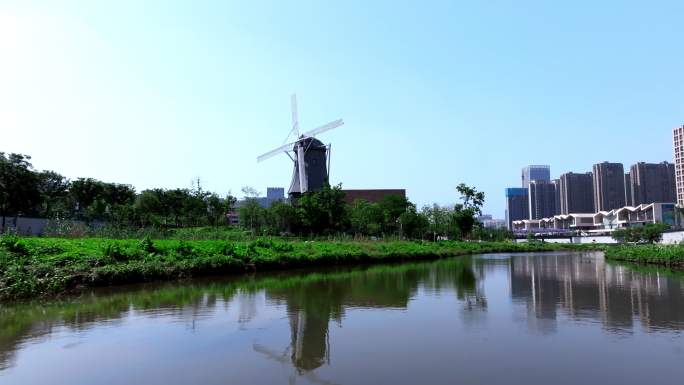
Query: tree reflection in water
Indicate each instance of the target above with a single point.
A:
(311, 305)
(542, 285)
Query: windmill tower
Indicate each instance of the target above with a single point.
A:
(310, 156)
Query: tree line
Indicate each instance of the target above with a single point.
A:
(25, 191)
(326, 213)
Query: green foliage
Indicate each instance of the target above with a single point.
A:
(14, 244)
(464, 213)
(88, 207)
(184, 248)
(670, 255)
(147, 245)
(650, 233)
(412, 224)
(494, 235)
(18, 186)
(366, 218)
(115, 251)
(46, 266)
(252, 215)
(323, 212)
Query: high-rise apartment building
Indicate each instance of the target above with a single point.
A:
(653, 183)
(535, 172)
(608, 186)
(556, 196)
(516, 205)
(678, 136)
(576, 193)
(541, 199)
(628, 190)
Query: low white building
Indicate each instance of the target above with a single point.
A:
(604, 221)
(640, 215)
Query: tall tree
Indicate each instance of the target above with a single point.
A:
(18, 186)
(366, 218)
(53, 189)
(464, 213)
(324, 211)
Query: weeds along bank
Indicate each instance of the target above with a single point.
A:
(31, 267)
(666, 255)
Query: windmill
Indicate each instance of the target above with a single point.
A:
(310, 156)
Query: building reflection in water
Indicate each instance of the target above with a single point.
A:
(549, 286)
(587, 288)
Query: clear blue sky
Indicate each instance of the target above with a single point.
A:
(154, 93)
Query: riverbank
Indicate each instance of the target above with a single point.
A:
(665, 255)
(36, 267)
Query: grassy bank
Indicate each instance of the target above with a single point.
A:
(666, 255)
(32, 267)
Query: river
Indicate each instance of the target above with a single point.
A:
(543, 318)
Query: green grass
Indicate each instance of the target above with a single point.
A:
(34, 267)
(667, 255)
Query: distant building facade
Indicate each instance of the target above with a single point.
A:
(608, 186)
(517, 207)
(628, 190)
(491, 223)
(678, 138)
(652, 182)
(273, 194)
(371, 195)
(535, 172)
(576, 193)
(556, 196)
(541, 199)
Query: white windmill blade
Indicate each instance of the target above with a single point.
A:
(324, 128)
(283, 148)
(295, 116)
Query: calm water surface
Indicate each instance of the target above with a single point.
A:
(551, 318)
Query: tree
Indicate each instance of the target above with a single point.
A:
(366, 218)
(148, 206)
(464, 220)
(650, 233)
(653, 232)
(250, 192)
(215, 209)
(471, 198)
(323, 212)
(438, 219)
(392, 206)
(85, 193)
(488, 234)
(282, 218)
(413, 224)
(465, 212)
(53, 189)
(252, 215)
(18, 186)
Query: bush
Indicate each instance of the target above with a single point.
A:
(115, 251)
(184, 249)
(147, 245)
(650, 233)
(14, 245)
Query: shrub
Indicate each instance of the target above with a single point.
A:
(147, 245)
(650, 233)
(115, 251)
(14, 245)
(184, 249)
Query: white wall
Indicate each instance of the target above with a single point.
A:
(673, 237)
